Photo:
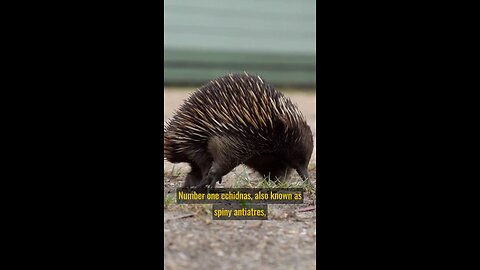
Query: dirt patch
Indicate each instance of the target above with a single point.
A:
(194, 241)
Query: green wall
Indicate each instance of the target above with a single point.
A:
(205, 39)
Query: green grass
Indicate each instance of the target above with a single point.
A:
(169, 201)
(243, 180)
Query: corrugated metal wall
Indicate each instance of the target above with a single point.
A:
(205, 39)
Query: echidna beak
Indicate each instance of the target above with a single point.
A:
(303, 172)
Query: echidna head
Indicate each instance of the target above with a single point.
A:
(300, 154)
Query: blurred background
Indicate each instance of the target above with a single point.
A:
(206, 39)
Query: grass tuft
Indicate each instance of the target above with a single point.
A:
(242, 180)
(175, 172)
(169, 201)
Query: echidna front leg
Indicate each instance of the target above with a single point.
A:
(217, 171)
(223, 160)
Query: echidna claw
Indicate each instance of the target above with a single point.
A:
(210, 186)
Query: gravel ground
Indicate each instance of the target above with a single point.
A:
(194, 241)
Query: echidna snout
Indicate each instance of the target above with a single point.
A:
(300, 156)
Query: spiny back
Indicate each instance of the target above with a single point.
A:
(239, 106)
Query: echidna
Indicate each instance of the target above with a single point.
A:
(238, 119)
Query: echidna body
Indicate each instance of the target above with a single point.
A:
(238, 119)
